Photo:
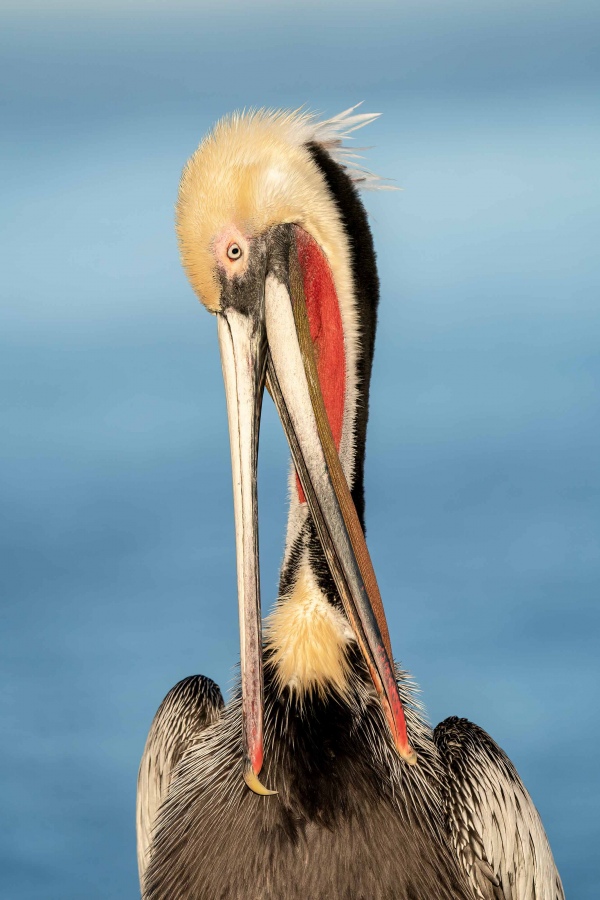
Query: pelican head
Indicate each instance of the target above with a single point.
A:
(268, 252)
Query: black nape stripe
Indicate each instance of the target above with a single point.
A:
(366, 290)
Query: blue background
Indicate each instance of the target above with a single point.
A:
(482, 469)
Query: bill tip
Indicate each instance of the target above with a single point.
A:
(251, 779)
(409, 755)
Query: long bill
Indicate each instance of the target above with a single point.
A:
(274, 338)
(243, 358)
(293, 382)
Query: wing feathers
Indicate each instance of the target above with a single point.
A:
(189, 707)
(493, 824)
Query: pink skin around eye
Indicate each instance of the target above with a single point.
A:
(222, 243)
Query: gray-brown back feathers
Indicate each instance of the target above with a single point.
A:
(186, 711)
(351, 821)
(495, 829)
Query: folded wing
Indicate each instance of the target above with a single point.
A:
(494, 827)
(189, 707)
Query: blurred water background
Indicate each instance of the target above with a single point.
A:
(482, 468)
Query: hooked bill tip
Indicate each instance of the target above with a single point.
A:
(408, 755)
(251, 779)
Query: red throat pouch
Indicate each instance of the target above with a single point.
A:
(326, 331)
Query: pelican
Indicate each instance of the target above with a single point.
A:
(321, 779)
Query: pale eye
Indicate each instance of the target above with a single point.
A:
(234, 251)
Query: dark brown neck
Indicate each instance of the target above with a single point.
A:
(302, 535)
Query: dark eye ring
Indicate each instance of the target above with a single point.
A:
(234, 251)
